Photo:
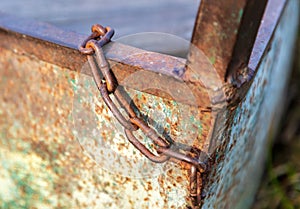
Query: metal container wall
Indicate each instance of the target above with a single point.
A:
(60, 146)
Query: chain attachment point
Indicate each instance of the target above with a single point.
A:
(98, 32)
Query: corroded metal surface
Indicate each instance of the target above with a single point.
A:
(239, 161)
(32, 37)
(43, 163)
(29, 37)
(237, 71)
(59, 47)
(226, 30)
(38, 131)
(162, 149)
(27, 47)
(273, 12)
(216, 29)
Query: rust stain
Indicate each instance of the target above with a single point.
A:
(36, 123)
(216, 34)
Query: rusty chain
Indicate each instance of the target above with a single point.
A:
(107, 84)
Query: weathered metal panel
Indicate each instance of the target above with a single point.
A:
(44, 165)
(233, 180)
(225, 31)
(46, 114)
(215, 30)
(273, 12)
(59, 47)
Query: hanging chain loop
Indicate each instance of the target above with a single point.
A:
(107, 84)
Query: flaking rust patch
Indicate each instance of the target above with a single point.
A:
(37, 125)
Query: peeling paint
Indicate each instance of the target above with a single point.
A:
(45, 166)
(239, 164)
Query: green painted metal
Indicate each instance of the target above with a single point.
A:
(240, 159)
(60, 147)
(45, 166)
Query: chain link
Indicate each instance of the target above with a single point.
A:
(107, 84)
